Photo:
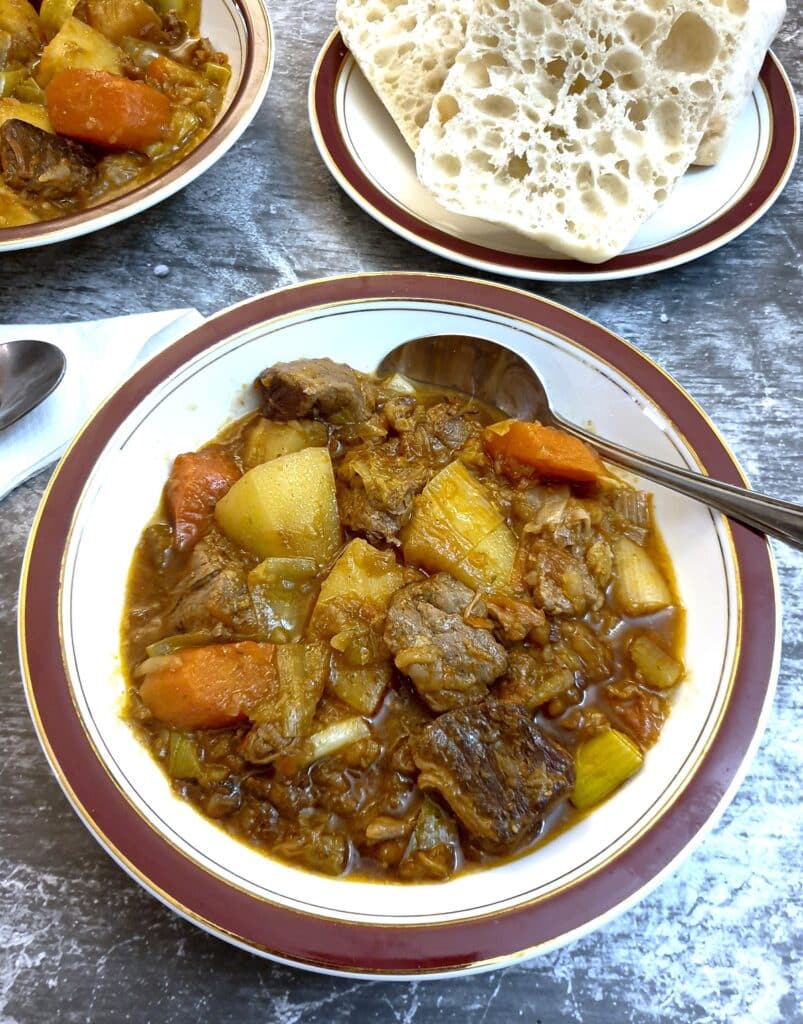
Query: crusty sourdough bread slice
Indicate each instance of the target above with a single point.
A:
(763, 20)
(404, 48)
(571, 121)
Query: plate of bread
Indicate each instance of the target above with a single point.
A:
(568, 140)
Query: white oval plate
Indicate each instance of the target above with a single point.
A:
(241, 29)
(370, 160)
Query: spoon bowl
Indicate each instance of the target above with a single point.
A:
(30, 370)
(499, 377)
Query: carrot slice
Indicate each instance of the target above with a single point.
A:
(550, 452)
(106, 109)
(197, 482)
(210, 687)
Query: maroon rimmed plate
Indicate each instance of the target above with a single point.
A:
(72, 597)
(368, 158)
(241, 29)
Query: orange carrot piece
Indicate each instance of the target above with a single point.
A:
(550, 452)
(106, 109)
(210, 687)
(197, 482)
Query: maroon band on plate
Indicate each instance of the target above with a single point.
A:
(734, 219)
(316, 941)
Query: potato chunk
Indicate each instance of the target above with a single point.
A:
(362, 582)
(456, 529)
(285, 508)
(21, 23)
(77, 46)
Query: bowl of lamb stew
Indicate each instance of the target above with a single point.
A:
(370, 660)
(379, 630)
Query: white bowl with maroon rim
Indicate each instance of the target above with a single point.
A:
(73, 590)
(369, 159)
(242, 30)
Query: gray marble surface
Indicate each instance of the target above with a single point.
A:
(720, 939)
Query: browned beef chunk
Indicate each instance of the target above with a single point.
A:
(43, 164)
(314, 388)
(375, 491)
(497, 771)
(449, 661)
(376, 483)
(213, 594)
(560, 581)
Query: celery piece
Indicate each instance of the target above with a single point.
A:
(171, 644)
(602, 764)
(29, 91)
(334, 737)
(139, 51)
(182, 756)
(10, 80)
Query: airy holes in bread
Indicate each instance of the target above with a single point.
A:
(691, 46)
(639, 27)
(446, 107)
(615, 188)
(669, 122)
(449, 164)
(496, 106)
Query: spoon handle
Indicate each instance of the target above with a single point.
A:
(781, 519)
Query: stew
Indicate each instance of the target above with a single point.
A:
(375, 630)
(98, 97)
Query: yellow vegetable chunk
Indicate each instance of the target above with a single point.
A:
(639, 588)
(12, 212)
(602, 764)
(19, 20)
(268, 439)
(53, 14)
(455, 528)
(32, 113)
(285, 508)
(77, 46)
(116, 19)
(362, 687)
(657, 668)
(362, 581)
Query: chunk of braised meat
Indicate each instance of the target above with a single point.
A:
(517, 620)
(43, 164)
(640, 712)
(449, 661)
(213, 593)
(560, 582)
(321, 851)
(531, 680)
(263, 743)
(376, 483)
(315, 389)
(375, 491)
(497, 771)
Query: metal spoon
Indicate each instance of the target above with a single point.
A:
(499, 377)
(29, 372)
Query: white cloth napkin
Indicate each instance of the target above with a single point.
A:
(100, 355)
